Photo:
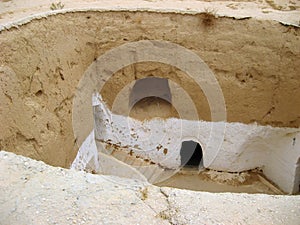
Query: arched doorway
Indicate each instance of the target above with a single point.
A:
(150, 87)
(151, 97)
(191, 154)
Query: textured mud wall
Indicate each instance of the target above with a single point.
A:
(41, 63)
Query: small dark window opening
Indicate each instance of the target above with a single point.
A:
(191, 154)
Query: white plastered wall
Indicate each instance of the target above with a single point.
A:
(282, 161)
(244, 147)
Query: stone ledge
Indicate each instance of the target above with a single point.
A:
(35, 193)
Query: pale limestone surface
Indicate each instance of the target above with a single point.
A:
(284, 11)
(35, 193)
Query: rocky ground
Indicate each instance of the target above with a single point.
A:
(285, 11)
(35, 193)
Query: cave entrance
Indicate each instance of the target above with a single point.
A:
(151, 97)
(150, 87)
(191, 154)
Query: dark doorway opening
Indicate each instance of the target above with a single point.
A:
(191, 154)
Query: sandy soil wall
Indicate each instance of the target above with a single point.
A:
(256, 63)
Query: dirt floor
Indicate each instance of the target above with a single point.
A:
(217, 182)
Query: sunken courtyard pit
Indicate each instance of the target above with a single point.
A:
(191, 100)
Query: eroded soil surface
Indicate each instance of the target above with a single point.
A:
(35, 193)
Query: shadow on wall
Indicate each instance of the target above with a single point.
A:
(297, 178)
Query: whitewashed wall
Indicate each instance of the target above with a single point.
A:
(242, 147)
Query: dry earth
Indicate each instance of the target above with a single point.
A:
(35, 193)
(285, 11)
